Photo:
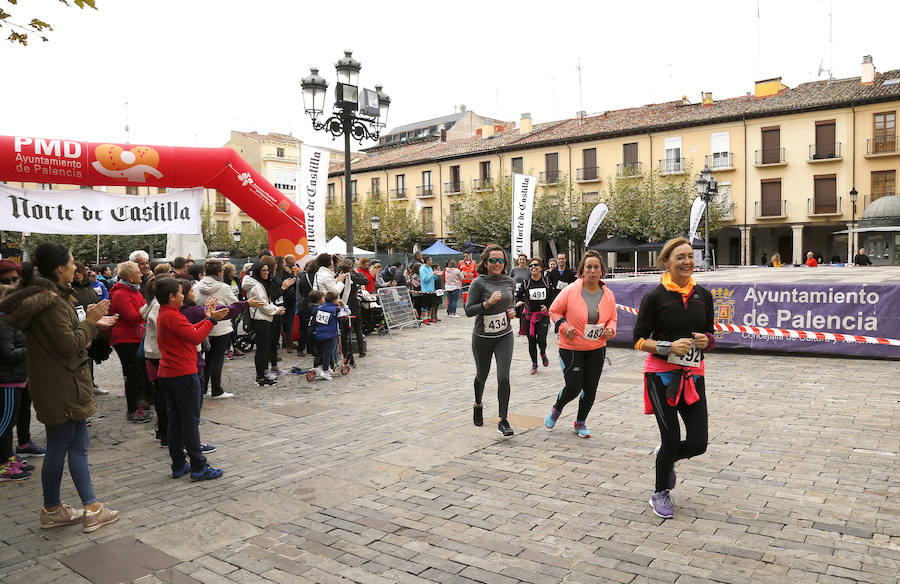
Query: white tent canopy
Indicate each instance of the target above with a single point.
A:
(338, 245)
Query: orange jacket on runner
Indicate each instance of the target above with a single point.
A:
(570, 305)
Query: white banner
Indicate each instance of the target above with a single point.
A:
(598, 214)
(312, 188)
(522, 208)
(696, 214)
(85, 211)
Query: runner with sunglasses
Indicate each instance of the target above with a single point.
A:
(491, 301)
(533, 298)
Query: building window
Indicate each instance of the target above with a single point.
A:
(484, 170)
(592, 197)
(455, 181)
(331, 190)
(771, 146)
(221, 203)
(159, 190)
(221, 225)
(428, 219)
(589, 164)
(245, 225)
(279, 152)
(400, 190)
(354, 195)
(551, 168)
(884, 132)
(129, 190)
(723, 199)
(375, 193)
(720, 150)
(284, 180)
(426, 183)
(47, 186)
(518, 165)
(770, 198)
(884, 182)
(826, 147)
(672, 152)
(825, 194)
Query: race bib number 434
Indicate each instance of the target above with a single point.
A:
(496, 323)
(690, 359)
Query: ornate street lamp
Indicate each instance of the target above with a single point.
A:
(853, 196)
(376, 223)
(573, 223)
(707, 188)
(356, 114)
(237, 242)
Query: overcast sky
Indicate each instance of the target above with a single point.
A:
(193, 70)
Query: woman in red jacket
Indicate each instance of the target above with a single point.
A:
(585, 316)
(126, 300)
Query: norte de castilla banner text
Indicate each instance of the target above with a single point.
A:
(89, 212)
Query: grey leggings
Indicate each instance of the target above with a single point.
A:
(501, 348)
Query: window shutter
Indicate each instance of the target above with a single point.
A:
(771, 146)
(630, 153)
(825, 139)
(719, 142)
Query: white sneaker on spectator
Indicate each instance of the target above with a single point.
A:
(223, 395)
(271, 375)
(100, 391)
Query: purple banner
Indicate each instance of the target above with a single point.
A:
(871, 310)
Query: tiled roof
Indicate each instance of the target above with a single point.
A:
(272, 137)
(826, 94)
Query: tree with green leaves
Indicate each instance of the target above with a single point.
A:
(484, 216)
(656, 207)
(20, 27)
(401, 227)
(553, 211)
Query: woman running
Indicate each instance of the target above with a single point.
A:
(675, 326)
(584, 313)
(491, 300)
(533, 296)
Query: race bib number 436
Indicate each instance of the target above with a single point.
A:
(690, 359)
(495, 323)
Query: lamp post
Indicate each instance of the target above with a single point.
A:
(237, 242)
(376, 223)
(707, 188)
(356, 114)
(573, 223)
(853, 195)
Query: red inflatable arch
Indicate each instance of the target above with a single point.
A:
(40, 160)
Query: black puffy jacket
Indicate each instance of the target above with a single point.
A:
(12, 354)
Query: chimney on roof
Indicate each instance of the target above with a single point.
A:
(487, 131)
(769, 87)
(868, 71)
(443, 134)
(525, 124)
(684, 100)
(707, 99)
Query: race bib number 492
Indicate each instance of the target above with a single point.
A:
(690, 359)
(495, 323)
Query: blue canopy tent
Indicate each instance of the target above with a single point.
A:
(439, 248)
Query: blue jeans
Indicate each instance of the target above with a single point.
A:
(452, 299)
(184, 398)
(72, 438)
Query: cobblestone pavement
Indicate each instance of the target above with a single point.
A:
(380, 476)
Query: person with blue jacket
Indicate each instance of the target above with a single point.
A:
(325, 318)
(426, 277)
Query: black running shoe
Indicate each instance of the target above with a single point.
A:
(504, 428)
(477, 416)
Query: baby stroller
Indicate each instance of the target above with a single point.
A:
(246, 336)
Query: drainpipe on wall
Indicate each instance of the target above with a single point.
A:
(440, 202)
(745, 257)
(853, 238)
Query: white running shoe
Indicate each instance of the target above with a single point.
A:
(272, 376)
(224, 395)
(324, 374)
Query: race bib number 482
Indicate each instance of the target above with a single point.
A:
(690, 359)
(593, 332)
(495, 323)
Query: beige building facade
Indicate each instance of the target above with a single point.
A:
(786, 158)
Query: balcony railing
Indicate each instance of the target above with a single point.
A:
(719, 161)
(375, 194)
(776, 209)
(824, 151)
(453, 187)
(550, 177)
(671, 165)
(587, 174)
(882, 145)
(398, 193)
(769, 156)
(627, 169)
(424, 191)
(482, 184)
(816, 206)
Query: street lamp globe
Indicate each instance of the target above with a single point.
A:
(573, 221)
(853, 194)
(347, 69)
(384, 104)
(376, 222)
(237, 235)
(314, 89)
(703, 181)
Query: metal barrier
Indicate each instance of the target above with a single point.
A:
(397, 307)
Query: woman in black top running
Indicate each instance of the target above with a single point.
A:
(533, 298)
(675, 326)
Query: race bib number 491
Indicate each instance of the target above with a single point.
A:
(537, 294)
(495, 323)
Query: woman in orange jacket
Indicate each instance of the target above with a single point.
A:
(584, 315)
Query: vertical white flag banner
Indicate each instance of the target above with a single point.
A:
(522, 208)
(598, 214)
(312, 186)
(696, 214)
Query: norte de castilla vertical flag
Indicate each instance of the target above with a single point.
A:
(598, 214)
(522, 210)
(312, 186)
(696, 214)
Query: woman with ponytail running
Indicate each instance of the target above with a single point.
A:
(675, 326)
(491, 300)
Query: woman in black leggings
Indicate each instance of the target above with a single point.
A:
(491, 301)
(534, 298)
(675, 326)
(258, 286)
